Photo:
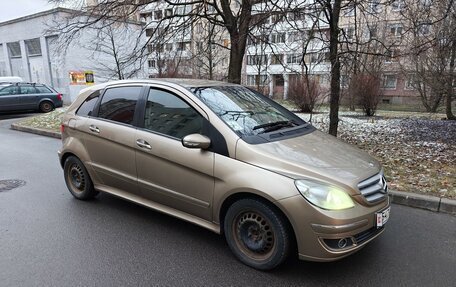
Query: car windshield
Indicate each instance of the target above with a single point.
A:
(247, 112)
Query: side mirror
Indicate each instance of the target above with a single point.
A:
(196, 141)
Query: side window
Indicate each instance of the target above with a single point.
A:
(118, 104)
(43, 90)
(168, 114)
(87, 106)
(28, 89)
(12, 90)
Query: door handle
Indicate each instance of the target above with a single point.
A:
(94, 129)
(143, 144)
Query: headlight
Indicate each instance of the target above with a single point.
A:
(324, 195)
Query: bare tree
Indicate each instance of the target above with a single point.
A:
(431, 40)
(115, 43)
(305, 92)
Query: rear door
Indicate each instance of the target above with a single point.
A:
(168, 172)
(9, 98)
(110, 138)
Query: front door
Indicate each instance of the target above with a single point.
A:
(168, 172)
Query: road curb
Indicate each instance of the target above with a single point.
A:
(423, 201)
(37, 131)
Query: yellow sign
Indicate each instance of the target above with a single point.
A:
(81, 78)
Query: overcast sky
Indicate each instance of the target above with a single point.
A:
(11, 9)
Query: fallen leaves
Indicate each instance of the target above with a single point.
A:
(417, 151)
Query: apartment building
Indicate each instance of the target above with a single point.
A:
(289, 42)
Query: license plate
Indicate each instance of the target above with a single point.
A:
(382, 217)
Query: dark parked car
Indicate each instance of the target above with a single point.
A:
(26, 96)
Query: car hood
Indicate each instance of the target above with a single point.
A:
(315, 155)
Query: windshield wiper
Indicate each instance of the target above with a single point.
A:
(237, 113)
(269, 127)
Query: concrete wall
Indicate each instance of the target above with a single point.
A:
(52, 67)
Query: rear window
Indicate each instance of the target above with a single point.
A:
(118, 104)
(87, 106)
(43, 90)
(28, 89)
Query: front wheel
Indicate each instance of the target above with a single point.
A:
(77, 179)
(257, 234)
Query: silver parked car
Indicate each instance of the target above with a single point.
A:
(29, 96)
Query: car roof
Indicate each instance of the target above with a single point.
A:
(186, 83)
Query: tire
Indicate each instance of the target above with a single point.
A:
(257, 234)
(78, 180)
(46, 106)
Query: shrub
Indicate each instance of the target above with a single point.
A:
(365, 89)
(304, 92)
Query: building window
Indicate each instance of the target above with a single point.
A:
(396, 30)
(169, 47)
(349, 33)
(276, 18)
(371, 32)
(14, 49)
(350, 10)
(426, 3)
(33, 47)
(279, 80)
(257, 60)
(391, 55)
(398, 5)
(424, 29)
(296, 15)
(294, 59)
(344, 80)
(389, 82)
(183, 46)
(150, 48)
(169, 12)
(277, 59)
(254, 80)
(278, 38)
(151, 63)
(293, 37)
(146, 16)
(149, 32)
(158, 15)
(375, 6)
(411, 82)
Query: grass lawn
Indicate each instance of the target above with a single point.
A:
(417, 149)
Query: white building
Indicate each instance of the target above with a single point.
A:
(30, 51)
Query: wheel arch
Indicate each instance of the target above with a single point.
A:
(246, 195)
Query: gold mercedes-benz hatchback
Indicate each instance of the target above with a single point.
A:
(229, 159)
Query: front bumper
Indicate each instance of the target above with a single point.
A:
(324, 235)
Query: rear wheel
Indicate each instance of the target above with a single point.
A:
(77, 179)
(46, 106)
(257, 234)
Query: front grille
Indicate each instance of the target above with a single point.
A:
(374, 188)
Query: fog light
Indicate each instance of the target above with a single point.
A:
(338, 244)
(342, 243)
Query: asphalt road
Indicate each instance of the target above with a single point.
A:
(47, 238)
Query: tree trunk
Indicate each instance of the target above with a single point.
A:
(236, 57)
(450, 89)
(335, 68)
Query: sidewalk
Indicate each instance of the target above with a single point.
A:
(423, 201)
